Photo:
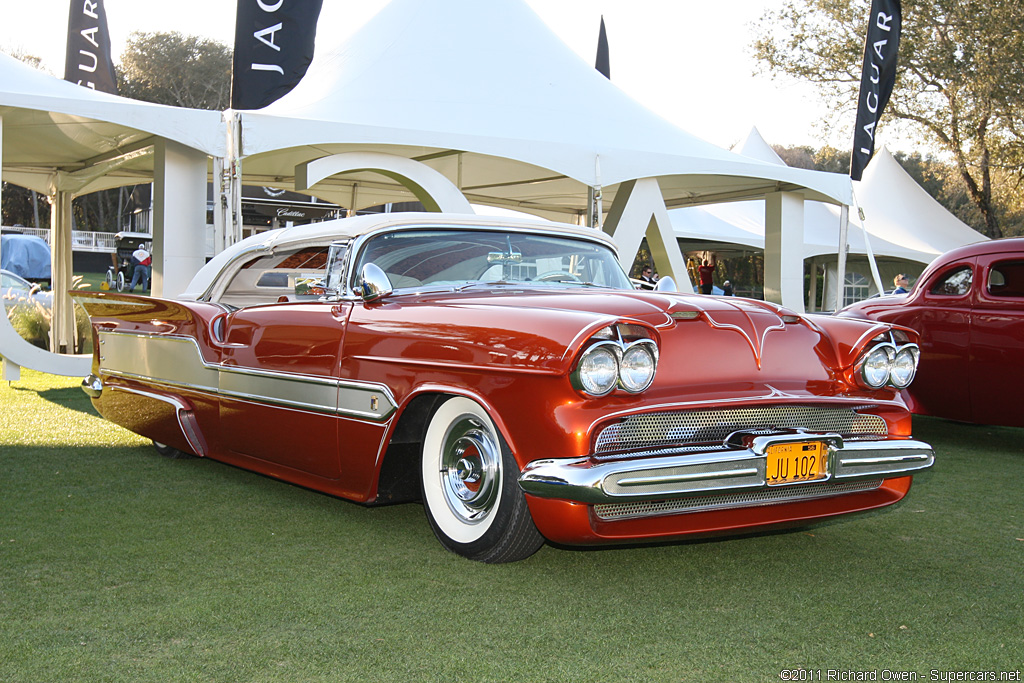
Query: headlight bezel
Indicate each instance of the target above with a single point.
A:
(621, 350)
(887, 352)
(914, 351)
(579, 378)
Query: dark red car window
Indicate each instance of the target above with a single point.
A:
(1007, 279)
(957, 282)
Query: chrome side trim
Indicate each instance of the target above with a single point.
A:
(676, 475)
(177, 362)
(183, 411)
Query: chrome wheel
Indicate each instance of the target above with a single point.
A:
(470, 487)
(470, 469)
(462, 470)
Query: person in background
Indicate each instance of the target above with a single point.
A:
(706, 273)
(727, 288)
(901, 283)
(646, 276)
(142, 260)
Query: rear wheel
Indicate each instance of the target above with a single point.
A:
(120, 281)
(110, 279)
(170, 452)
(470, 492)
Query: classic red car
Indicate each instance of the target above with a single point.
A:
(505, 373)
(968, 307)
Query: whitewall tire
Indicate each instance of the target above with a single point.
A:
(470, 488)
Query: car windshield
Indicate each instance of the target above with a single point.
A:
(459, 257)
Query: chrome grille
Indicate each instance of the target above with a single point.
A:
(718, 501)
(653, 430)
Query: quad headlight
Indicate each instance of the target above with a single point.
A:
(904, 366)
(613, 363)
(887, 364)
(598, 370)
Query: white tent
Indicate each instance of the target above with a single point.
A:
(59, 134)
(897, 209)
(486, 94)
(904, 224)
(63, 140)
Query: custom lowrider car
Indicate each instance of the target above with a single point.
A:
(968, 307)
(506, 374)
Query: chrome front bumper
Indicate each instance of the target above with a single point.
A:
(654, 477)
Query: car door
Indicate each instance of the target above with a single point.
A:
(942, 315)
(279, 384)
(997, 340)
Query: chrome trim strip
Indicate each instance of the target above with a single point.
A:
(183, 411)
(586, 480)
(177, 362)
(178, 403)
(679, 478)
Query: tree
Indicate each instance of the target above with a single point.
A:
(960, 81)
(175, 69)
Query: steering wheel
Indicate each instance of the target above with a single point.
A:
(556, 275)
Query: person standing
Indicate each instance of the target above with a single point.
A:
(142, 260)
(706, 274)
(727, 288)
(646, 278)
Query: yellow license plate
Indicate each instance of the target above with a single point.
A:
(796, 462)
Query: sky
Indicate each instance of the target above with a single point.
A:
(689, 62)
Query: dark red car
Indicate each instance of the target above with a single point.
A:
(968, 307)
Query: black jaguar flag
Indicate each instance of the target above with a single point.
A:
(603, 63)
(877, 79)
(273, 49)
(87, 60)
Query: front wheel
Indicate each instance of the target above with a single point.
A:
(120, 281)
(470, 492)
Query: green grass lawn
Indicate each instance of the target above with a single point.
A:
(119, 565)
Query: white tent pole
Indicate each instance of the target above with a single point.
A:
(844, 229)
(355, 197)
(867, 247)
(812, 298)
(219, 206)
(62, 321)
(235, 129)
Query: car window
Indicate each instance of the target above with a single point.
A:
(1006, 278)
(267, 279)
(954, 283)
(456, 257)
(11, 282)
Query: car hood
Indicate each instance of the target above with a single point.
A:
(703, 340)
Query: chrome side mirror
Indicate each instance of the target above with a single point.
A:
(666, 284)
(374, 283)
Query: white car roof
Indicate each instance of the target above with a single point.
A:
(346, 228)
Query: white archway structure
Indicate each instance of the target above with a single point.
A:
(637, 212)
(63, 140)
(430, 187)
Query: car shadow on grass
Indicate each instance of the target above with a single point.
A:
(68, 397)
